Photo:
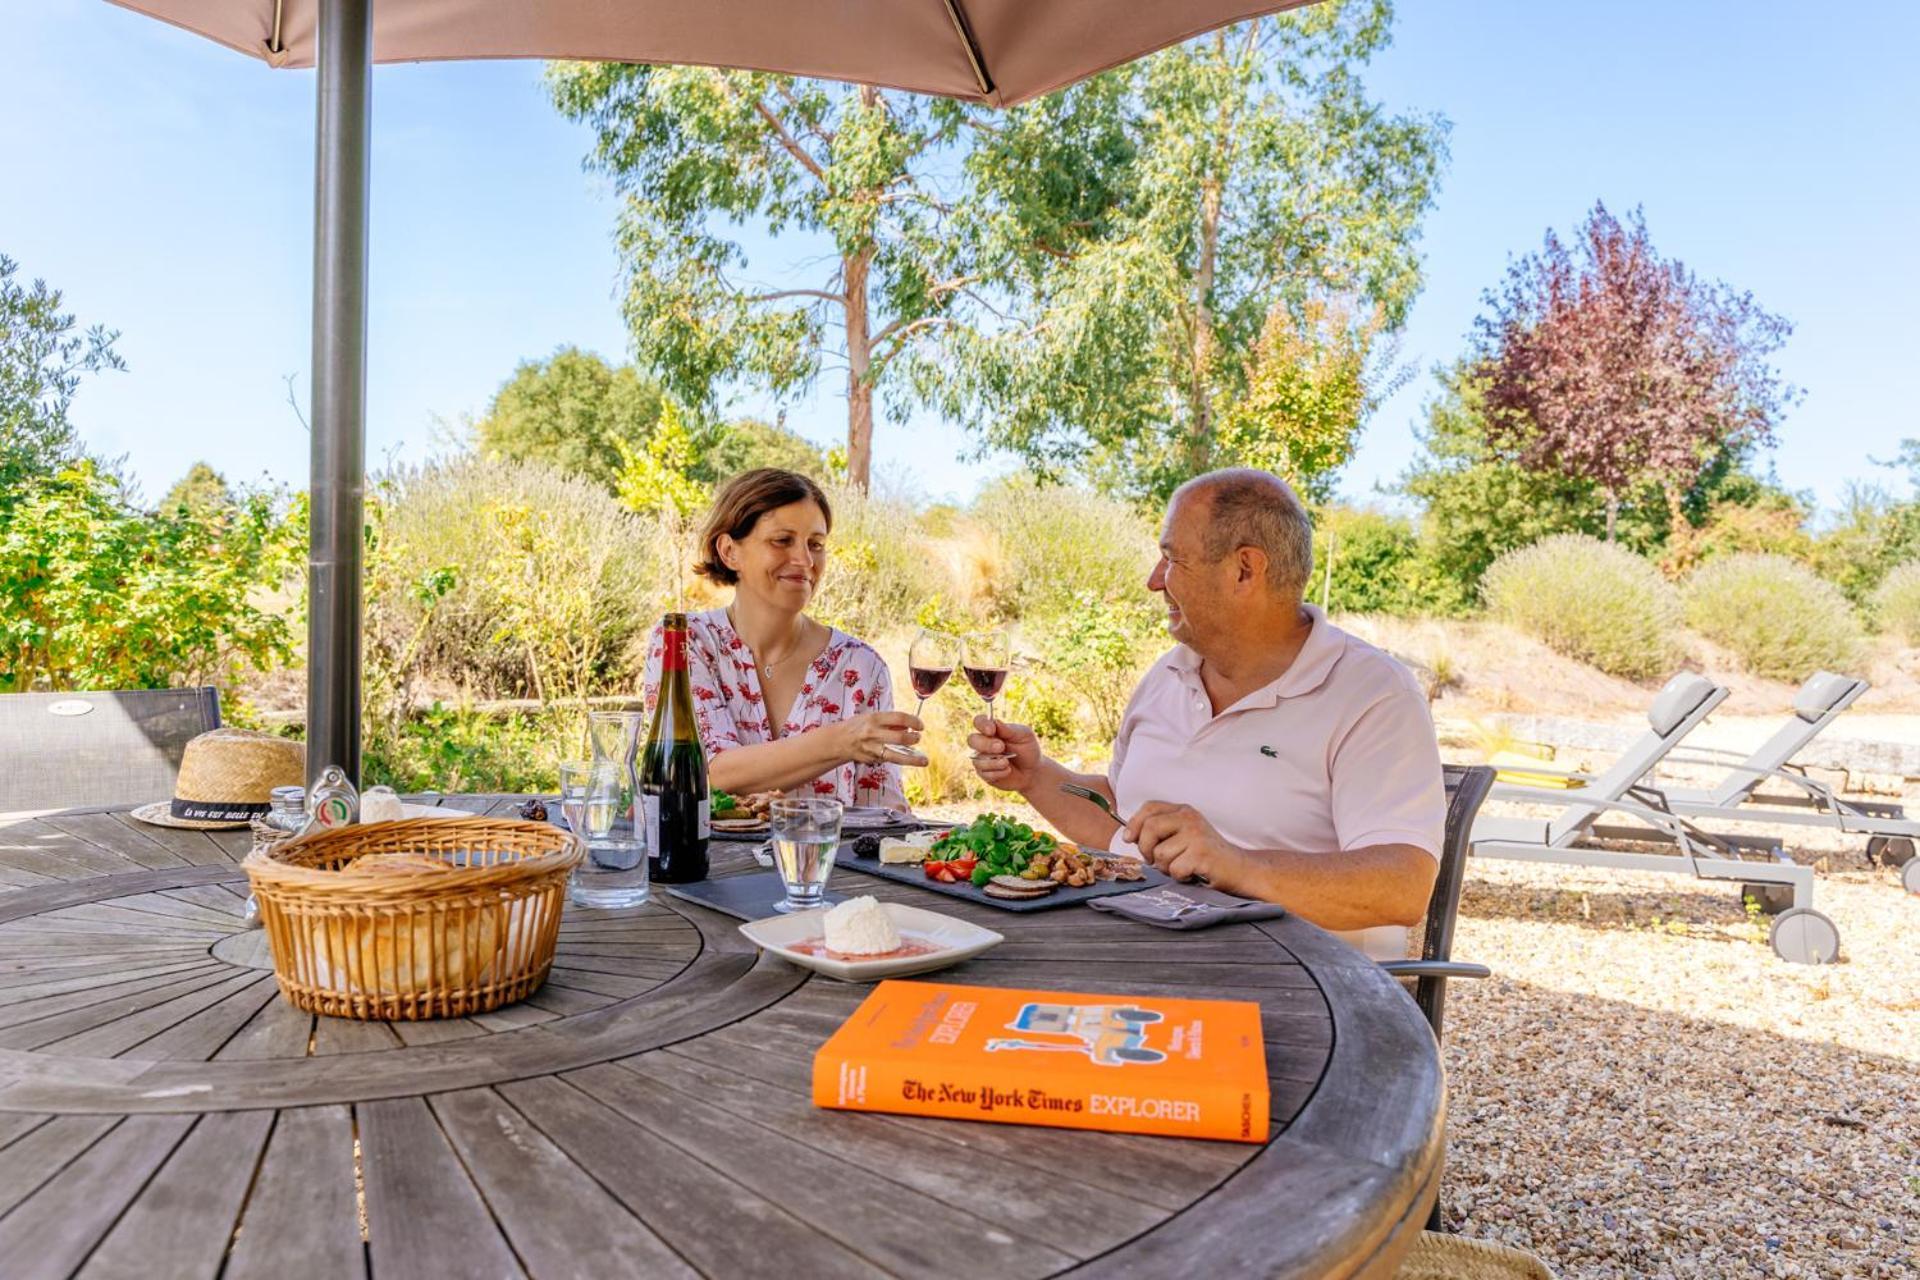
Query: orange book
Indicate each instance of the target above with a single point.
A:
(1132, 1064)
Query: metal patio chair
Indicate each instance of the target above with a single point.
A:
(1467, 787)
(83, 750)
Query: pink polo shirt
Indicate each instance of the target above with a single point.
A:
(1336, 754)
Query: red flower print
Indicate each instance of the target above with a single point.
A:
(859, 697)
(821, 787)
(704, 694)
(849, 677)
(831, 708)
(806, 688)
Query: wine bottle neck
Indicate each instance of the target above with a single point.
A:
(673, 656)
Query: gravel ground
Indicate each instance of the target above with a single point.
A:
(1644, 1089)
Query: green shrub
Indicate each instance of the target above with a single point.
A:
(1057, 542)
(1897, 603)
(880, 571)
(97, 594)
(512, 579)
(1782, 621)
(1097, 650)
(1592, 601)
(1371, 562)
(453, 749)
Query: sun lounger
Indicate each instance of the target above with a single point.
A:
(1799, 933)
(1737, 796)
(72, 750)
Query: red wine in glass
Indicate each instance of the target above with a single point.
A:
(930, 663)
(985, 657)
(928, 680)
(987, 681)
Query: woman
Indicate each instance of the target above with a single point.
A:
(782, 701)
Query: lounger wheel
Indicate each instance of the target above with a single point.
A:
(1889, 851)
(1772, 899)
(1910, 876)
(1804, 936)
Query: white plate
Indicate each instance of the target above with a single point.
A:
(957, 939)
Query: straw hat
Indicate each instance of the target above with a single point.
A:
(226, 777)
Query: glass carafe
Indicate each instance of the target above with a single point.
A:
(614, 738)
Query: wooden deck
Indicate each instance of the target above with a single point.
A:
(647, 1112)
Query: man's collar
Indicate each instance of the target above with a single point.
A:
(1310, 669)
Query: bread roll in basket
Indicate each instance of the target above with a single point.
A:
(421, 918)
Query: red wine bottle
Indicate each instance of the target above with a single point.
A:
(987, 681)
(927, 680)
(673, 770)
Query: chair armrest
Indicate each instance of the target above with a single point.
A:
(1434, 969)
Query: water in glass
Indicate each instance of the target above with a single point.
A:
(806, 838)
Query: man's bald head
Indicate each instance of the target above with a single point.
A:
(1249, 508)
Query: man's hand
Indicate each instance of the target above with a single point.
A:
(1006, 756)
(1179, 841)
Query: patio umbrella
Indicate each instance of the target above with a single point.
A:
(999, 52)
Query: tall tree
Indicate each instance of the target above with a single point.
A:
(42, 359)
(1606, 363)
(573, 411)
(845, 172)
(202, 491)
(1143, 228)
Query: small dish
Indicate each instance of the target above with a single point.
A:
(953, 940)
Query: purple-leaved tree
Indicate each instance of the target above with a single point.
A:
(1604, 362)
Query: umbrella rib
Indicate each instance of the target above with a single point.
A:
(974, 59)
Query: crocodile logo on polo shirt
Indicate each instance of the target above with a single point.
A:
(1269, 753)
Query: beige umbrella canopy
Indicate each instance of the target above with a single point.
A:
(999, 52)
(996, 51)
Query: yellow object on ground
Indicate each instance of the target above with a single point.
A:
(1446, 1257)
(1523, 770)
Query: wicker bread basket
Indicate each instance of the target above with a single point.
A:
(445, 917)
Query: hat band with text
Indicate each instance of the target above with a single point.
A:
(215, 810)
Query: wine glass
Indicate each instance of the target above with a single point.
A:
(930, 663)
(985, 657)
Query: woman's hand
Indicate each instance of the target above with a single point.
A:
(880, 737)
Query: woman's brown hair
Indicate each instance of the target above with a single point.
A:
(740, 504)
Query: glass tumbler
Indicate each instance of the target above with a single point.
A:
(806, 839)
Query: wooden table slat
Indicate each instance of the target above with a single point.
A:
(195, 847)
(681, 1195)
(51, 1232)
(561, 1222)
(31, 1023)
(182, 1223)
(905, 1234)
(300, 1217)
(278, 1030)
(134, 1030)
(425, 1218)
(200, 1036)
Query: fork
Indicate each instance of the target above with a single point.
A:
(1088, 793)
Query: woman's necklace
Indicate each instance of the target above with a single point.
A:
(765, 668)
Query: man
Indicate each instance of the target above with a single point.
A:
(1270, 753)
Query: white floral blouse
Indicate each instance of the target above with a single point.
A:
(849, 678)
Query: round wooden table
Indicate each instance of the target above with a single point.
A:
(647, 1112)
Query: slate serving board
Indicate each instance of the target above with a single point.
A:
(910, 873)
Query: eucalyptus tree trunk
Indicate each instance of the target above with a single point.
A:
(859, 364)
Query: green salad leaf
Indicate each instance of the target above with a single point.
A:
(1003, 845)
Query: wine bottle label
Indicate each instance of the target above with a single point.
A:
(651, 805)
(674, 652)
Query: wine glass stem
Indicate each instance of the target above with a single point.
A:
(922, 707)
(991, 727)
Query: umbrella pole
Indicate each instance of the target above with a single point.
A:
(339, 385)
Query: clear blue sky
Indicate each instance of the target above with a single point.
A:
(164, 183)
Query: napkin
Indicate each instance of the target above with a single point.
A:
(1186, 906)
